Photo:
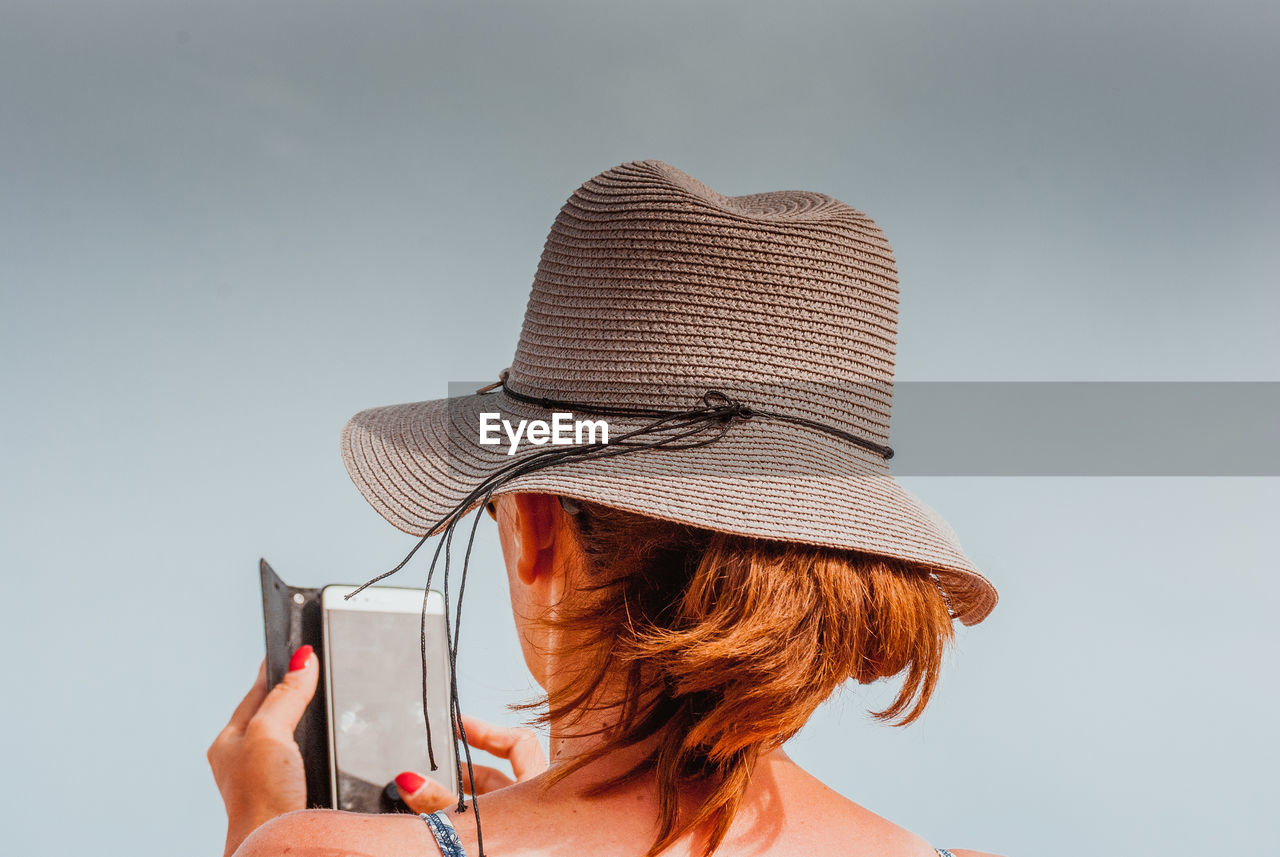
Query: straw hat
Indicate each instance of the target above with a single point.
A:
(653, 289)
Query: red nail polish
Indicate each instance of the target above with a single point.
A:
(300, 658)
(409, 782)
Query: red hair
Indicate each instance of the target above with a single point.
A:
(725, 645)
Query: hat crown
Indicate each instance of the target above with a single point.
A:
(653, 288)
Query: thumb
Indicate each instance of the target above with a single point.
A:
(285, 703)
(422, 794)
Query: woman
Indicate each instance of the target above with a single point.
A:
(686, 593)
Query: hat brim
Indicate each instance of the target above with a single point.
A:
(416, 462)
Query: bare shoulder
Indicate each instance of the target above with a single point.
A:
(816, 815)
(328, 832)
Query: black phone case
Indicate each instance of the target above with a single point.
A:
(292, 618)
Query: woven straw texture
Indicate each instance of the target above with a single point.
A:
(652, 289)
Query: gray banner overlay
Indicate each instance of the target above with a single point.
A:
(1086, 429)
(1068, 428)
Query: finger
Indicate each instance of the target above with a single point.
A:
(487, 779)
(421, 794)
(283, 707)
(425, 795)
(519, 746)
(252, 699)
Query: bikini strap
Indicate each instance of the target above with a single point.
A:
(942, 852)
(446, 836)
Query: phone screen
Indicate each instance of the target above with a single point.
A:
(375, 694)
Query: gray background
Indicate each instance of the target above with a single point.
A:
(226, 227)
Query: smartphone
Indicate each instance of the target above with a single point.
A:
(373, 669)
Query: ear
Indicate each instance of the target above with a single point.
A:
(537, 526)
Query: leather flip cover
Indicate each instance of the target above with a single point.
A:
(291, 617)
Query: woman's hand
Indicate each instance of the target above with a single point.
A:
(518, 746)
(256, 763)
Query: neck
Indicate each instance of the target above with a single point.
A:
(568, 744)
(587, 729)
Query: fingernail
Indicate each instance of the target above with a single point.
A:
(300, 658)
(409, 782)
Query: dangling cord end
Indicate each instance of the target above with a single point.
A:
(362, 587)
(475, 799)
(451, 641)
(502, 380)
